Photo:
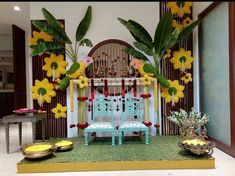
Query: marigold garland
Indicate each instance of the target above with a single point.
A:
(82, 126)
(156, 94)
(71, 90)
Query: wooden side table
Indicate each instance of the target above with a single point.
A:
(33, 118)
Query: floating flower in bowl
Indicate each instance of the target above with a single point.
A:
(24, 111)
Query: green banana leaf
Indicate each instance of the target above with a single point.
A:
(45, 47)
(186, 31)
(144, 48)
(73, 68)
(163, 32)
(137, 31)
(86, 42)
(172, 40)
(55, 24)
(124, 22)
(162, 80)
(135, 53)
(148, 68)
(64, 83)
(145, 36)
(45, 27)
(84, 25)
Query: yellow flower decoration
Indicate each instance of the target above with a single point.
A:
(146, 80)
(82, 82)
(43, 91)
(187, 78)
(182, 59)
(186, 22)
(80, 71)
(55, 64)
(59, 111)
(177, 25)
(167, 53)
(180, 7)
(40, 36)
(142, 72)
(174, 93)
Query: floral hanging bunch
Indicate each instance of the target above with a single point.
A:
(166, 37)
(53, 41)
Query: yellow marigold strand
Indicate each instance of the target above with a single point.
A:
(71, 95)
(156, 94)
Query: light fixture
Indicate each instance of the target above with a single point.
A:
(16, 8)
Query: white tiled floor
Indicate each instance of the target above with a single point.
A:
(225, 165)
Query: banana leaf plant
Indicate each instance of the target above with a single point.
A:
(53, 28)
(165, 37)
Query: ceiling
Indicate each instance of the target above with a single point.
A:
(9, 16)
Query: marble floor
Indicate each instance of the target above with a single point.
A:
(225, 165)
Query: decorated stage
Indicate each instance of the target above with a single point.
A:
(163, 152)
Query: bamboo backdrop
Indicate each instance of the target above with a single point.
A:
(54, 127)
(168, 71)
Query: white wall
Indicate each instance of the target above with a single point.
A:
(6, 42)
(104, 23)
(198, 7)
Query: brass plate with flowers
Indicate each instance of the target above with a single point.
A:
(198, 146)
(38, 150)
(64, 145)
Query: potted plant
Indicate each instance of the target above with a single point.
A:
(192, 131)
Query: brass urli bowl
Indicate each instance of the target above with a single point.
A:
(38, 154)
(198, 149)
(64, 148)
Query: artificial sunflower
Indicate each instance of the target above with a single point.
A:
(39, 37)
(186, 22)
(167, 53)
(82, 82)
(180, 7)
(55, 65)
(43, 91)
(182, 59)
(59, 111)
(187, 78)
(173, 93)
(146, 80)
(177, 25)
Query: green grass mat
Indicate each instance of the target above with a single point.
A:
(100, 149)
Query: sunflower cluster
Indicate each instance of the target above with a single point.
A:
(181, 59)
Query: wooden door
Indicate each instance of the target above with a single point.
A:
(18, 36)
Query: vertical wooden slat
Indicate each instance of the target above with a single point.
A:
(168, 128)
(54, 127)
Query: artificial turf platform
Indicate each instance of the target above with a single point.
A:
(163, 152)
